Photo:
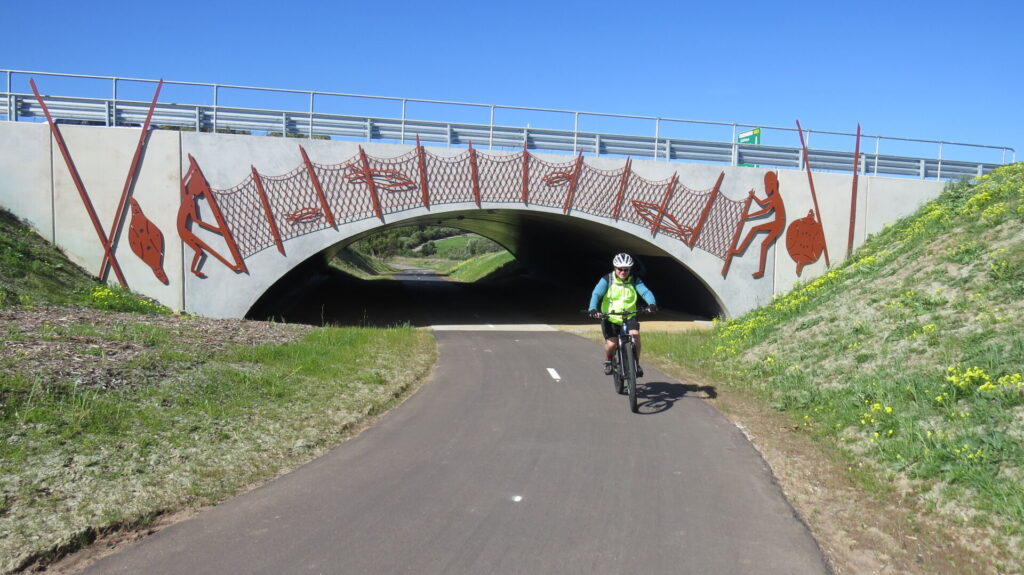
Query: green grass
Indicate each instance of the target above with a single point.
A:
(479, 267)
(355, 263)
(907, 357)
(185, 421)
(33, 272)
(77, 459)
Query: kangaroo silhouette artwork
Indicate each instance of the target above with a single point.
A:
(772, 204)
(193, 188)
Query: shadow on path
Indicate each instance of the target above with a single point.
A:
(659, 396)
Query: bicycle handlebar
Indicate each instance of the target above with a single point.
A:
(622, 314)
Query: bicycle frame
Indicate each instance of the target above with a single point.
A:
(624, 362)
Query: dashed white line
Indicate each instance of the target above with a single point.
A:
(554, 375)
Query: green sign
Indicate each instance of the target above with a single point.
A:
(750, 137)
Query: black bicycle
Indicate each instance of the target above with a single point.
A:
(624, 362)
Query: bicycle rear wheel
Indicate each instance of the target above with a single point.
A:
(629, 372)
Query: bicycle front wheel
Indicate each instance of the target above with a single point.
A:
(629, 373)
(617, 380)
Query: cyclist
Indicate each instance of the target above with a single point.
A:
(618, 292)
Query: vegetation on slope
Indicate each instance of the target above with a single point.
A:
(33, 272)
(908, 357)
(110, 419)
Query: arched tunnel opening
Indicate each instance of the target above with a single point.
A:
(559, 259)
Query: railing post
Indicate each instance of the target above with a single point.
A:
(878, 145)
(938, 174)
(403, 120)
(657, 134)
(575, 130)
(735, 147)
(490, 130)
(311, 94)
(215, 108)
(111, 118)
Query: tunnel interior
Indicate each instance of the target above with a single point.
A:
(559, 260)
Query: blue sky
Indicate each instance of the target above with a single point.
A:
(938, 70)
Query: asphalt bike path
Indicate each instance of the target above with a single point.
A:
(517, 456)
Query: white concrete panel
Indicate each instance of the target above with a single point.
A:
(25, 174)
(103, 158)
(889, 200)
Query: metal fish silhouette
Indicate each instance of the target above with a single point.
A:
(303, 216)
(147, 241)
(387, 180)
(668, 223)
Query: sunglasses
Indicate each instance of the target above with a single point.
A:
(623, 269)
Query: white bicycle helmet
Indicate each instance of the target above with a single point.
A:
(622, 261)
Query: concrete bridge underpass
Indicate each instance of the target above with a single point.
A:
(209, 223)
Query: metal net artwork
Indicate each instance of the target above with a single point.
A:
(264, 211)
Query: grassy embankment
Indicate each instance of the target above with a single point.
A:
(907, 358)
(454, 257)
(189, 424)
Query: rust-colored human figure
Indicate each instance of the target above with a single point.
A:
(193, 188)
(772, 202)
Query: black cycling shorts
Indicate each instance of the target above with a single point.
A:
(612, 330)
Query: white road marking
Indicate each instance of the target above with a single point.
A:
(517, 498)
(554, 375)
(495, 327)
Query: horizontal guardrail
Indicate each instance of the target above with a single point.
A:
(312, 124)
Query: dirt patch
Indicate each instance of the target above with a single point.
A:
(62, 344)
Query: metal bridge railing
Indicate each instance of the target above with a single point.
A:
(21, 105)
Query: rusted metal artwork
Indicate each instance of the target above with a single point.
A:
(108, 251)
(653, 214)
(570, 194)
(267, 211)
(772, 204)
(366, 175)
(623, 182)
(388, 181)
(853, 194)
(195, 188)
(805, 241)
(526, 174)
(810, 182)
(326, 210)
(664, 203)
(474, 175)
(146, 241)
(365, 187)
(129, 183)
(421, 170)
(305, 215)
